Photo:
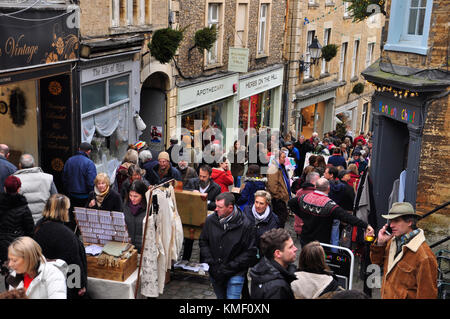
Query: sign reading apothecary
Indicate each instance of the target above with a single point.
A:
(106, 111)
(206, 92)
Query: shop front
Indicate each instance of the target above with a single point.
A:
(260, 103)
(314, 109)
(205, 109)
(397, 125)
(37, 88)
(109, 102)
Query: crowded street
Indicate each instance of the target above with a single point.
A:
(208, 150)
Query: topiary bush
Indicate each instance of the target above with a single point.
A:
(358, 88)
(329, 51)
(205, 38)
(165, 43)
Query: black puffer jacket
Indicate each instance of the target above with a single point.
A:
(271, 281)
(15, 221)
(231, 251)
(59, 242)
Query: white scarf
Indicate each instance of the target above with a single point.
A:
(259, 218)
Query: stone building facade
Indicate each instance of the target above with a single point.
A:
(320, 94)
(412, 103)
(239, 98)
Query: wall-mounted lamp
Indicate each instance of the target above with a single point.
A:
(315, 50)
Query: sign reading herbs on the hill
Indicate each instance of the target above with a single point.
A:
(35, 37)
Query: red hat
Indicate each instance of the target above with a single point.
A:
(12, 184)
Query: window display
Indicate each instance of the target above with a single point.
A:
(210, 115)
(255, 111)
(105, 125)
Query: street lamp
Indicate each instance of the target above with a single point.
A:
(315, 50)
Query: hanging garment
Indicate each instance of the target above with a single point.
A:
(165, 236)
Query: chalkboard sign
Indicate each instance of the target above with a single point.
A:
(56, 124)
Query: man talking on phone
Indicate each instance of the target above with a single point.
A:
(409, 266)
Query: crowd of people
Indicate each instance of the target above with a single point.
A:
(243, 241)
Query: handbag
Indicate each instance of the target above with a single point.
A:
(345, 239)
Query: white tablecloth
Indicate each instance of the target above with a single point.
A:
(110, 289)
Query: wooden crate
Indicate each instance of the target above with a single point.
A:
(121, 273)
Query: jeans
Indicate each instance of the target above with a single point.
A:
(230, 290)
(335, 234)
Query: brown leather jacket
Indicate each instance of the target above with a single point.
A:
(412, 274)
(276, 185)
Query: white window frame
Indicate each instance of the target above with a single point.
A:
(355, 61)
(364, 113)
(369, 53)
(406, 35)
(129, 11)
(213, 53)
(346, 11)
(115, 13)
(309, 66)
(326, 40)
(263, 28)
(142, 12)
(342, 64)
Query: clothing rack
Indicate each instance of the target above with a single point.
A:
(147, 214)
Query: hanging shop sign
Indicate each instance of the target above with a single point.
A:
(238, 60)
(56, 136)
(36, 37)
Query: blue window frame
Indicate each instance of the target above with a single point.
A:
(409, 26)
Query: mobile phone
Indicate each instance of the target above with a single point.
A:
(388, 230)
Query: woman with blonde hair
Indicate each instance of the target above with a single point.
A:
(31, 271)
(104, 197)
(314, 277)
(59, 242)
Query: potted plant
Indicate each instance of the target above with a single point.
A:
(329, 51)
(358, 88)
(165, 43)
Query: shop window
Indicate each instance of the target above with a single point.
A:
(105, 125)
(118, 89)
(93, 96)
(255, 111)
(209, 115)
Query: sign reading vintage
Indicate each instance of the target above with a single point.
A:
(35, 37)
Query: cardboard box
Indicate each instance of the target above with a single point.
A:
(193, 210)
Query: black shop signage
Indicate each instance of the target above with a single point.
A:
(37, 37)
(398, 109)
(56, 124)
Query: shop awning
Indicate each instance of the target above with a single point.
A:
(416, 80)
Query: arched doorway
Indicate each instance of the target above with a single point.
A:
(153, 111)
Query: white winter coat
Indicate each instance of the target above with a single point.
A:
(50, 283)
(37, 187)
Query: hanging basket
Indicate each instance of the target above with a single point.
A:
(358, 88)
(329, 51)
(205, 38)
(165, 43)
(18, 107)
